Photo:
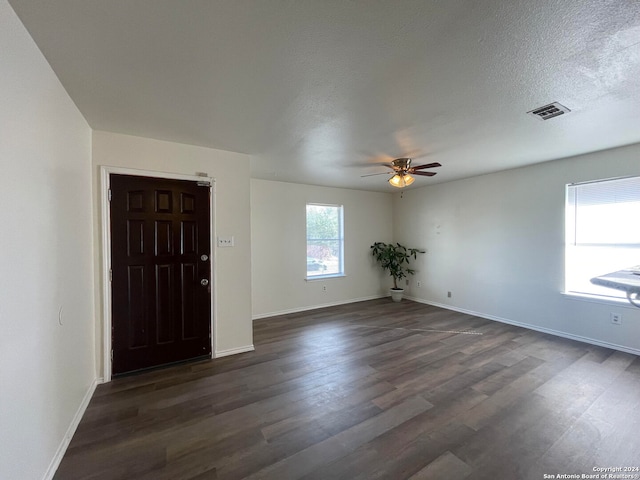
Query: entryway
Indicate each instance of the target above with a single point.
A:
(160, 271)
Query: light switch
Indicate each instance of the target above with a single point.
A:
(225, 241)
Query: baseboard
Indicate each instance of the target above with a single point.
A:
(315, 307)
(233, 351)
(550, 331)
(64, 444)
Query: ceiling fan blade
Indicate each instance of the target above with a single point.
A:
(366, 164)
(416, 154)
(426, 165)
(424, 174)
(372, 174)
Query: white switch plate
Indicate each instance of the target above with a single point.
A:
(616, 318)
(225, 241)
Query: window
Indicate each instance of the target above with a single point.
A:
(325, 241)
(603, 232)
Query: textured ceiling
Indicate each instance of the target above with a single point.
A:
(319, 91)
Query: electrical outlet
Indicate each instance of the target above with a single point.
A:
(407, 281)
(448, 294)
(418, 284)
(324, 288)
(616, 318)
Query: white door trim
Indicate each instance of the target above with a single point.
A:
(105, 172)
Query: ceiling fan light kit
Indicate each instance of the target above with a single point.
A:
(401, 180)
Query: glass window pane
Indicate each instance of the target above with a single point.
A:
(603, 232)
(325, 242)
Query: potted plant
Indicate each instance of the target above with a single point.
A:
(395, 259)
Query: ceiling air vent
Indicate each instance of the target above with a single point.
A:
(549, 111)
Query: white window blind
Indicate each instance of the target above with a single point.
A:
(602, 232)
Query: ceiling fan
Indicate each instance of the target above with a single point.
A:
(402, 171)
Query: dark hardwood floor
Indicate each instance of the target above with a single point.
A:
(370, 390)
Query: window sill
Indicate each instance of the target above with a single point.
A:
(585, 297)
(324, 277)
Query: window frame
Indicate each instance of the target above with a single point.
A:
(340, 240)
(573, 230)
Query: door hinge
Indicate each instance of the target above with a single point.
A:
(110, 275)
(110, 195)
(111, 356)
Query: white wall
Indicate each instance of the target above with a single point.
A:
(278, 242)
(497, 243)
(46, 365)
(231, 217)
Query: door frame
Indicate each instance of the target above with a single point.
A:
(105, 205)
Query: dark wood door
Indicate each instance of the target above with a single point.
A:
(161, 290)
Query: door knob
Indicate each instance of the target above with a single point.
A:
(204, 282)
(204, 257)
